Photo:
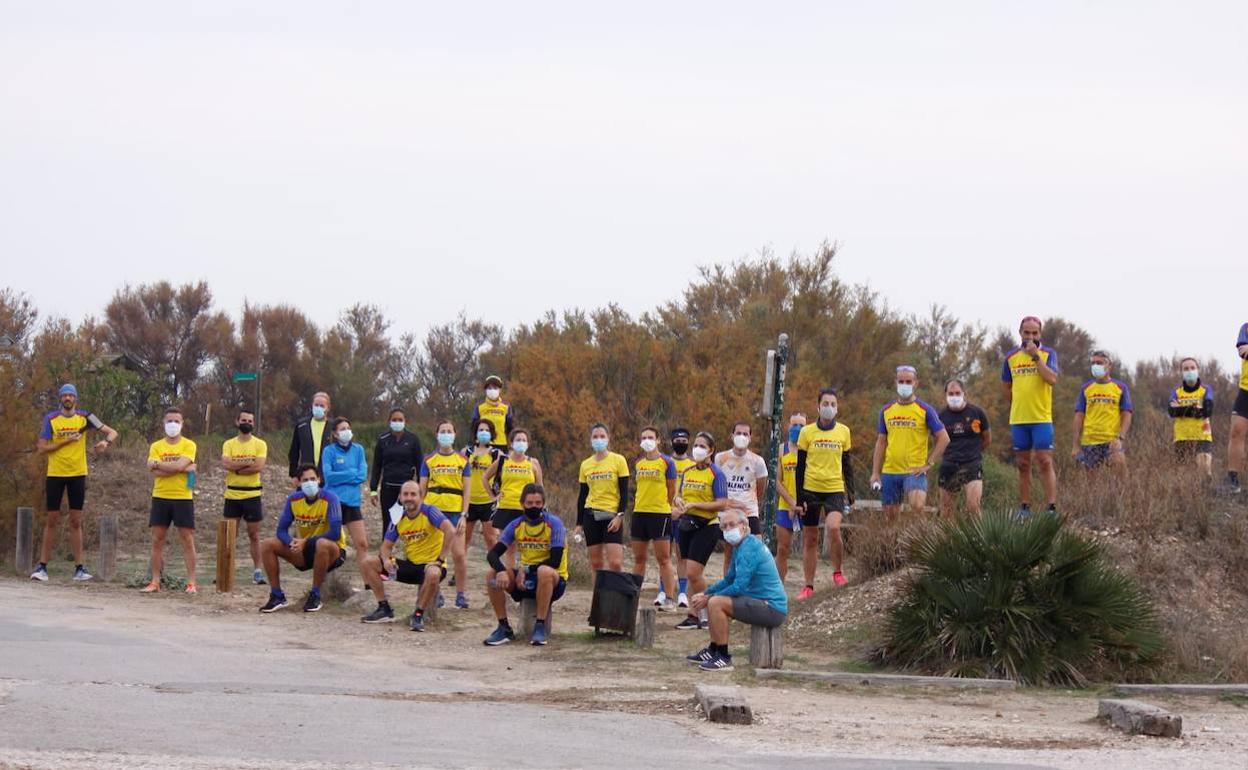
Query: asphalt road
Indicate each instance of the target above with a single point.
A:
(81, 689)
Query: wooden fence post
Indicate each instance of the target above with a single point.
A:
(108, 547)
(25, 557)
(644, 636)
(227, 532)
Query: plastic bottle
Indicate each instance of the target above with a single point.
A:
(190, 479)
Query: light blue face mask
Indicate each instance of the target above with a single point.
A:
(310, 487)
(318, 413)
(483, 437)
(599, 444)
(446, 439)
(905, 389)
(396, 426)
(734, 536)
(520, 447)
(1098, 370)
(344, 436)
(1190, 376)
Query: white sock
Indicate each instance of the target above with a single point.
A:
(702, 616)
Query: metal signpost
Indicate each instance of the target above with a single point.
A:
(773, 410)
(252, 377)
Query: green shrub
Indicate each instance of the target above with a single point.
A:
(1029, 600)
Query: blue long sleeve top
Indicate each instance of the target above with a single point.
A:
(752, 572)
(333, 516)
(345, 469)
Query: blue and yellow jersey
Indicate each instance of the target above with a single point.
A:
(603, 479)
(419, 537)
(534, 541)
(448, 476)
(703, 485)
(1031, 398)
(71, 459)
(1192, 428)
(171, 487)
(319, 516)
(500, 414)
(652, 477)
(1102, 404)
(786, 475)
(1243, 367)
(683, 464)
(825, 449)
(907, 427)
(513, 477)
(239, 486)
(479, 464)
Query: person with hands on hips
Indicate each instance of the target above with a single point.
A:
(900, 464)
(601, 502)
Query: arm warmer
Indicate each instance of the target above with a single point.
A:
(847, 472)
(495, 557)
(293, 454)
(375, 478)
(556, 558)
(623, 494)
(580, 504)
(798, 491)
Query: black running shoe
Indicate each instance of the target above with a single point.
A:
(275, 603)
(701, 656)
(417, 621)
(383, 614)
(312, 603)
(690, 623)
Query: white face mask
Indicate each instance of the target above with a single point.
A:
(310, 488)
(396, 426)
(699, 453)
(649, 445)
(827, 412)
(173, 429)
(344, 436)
(740, 441)
(493, 393)
(446, 439)
(955, 402)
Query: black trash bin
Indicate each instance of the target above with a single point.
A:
(614, 607)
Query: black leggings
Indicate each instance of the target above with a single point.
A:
(387, 495)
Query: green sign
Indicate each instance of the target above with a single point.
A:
(244, 376)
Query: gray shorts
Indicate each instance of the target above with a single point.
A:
(756, 612)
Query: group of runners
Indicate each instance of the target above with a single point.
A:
(430, 504)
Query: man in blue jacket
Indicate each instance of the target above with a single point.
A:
(751, 592)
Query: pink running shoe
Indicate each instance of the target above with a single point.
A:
(838, 579)
(805, 593)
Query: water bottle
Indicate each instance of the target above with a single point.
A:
(795, 517)
(530, 579)
(190, 479)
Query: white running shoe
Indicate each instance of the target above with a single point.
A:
(40, 574)
(682, 601)
(660, 600)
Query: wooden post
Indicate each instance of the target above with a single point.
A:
(227, 532)
(766, 647)
(108, 547)
(528, 617)
(24, 561)
(644, 636)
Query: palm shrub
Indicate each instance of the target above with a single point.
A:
(1029, 600)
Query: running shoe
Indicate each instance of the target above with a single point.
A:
(838, 579)
(191, 588)
(461, 601)
(383, 614)
(275, 603)
(150, 588)
(40, 574)
(667, 606)
(81, 575)
(538, 639)
(701, 656)
(690, 623)
(257, 577)
(660, 600)
(682, 601)
(720, 662)
(502, 635)
(313, 602)
(417, 621)
(805, 593)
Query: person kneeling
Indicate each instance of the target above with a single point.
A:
(751, 592)
(425, 536)
(320, 545)
(540, 539)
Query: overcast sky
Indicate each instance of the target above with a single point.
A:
(1087, 159)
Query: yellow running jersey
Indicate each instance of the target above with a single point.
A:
(514, 476)
(824, 452)
(1192, 428)
(71, 459)
(420, 537)
(311, 517)
(652, 477)
(535, 541)
(448, 475)
(171, 487)
(907, 427)
(602, 477)
(1032, 398)
(1102, 404)
(703, 485)
(243, 486)
(786, 475)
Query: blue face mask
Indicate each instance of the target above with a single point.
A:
(1190, 376)
(905, 389)
(318, 413)
(310, 487)
(446, 439)
(599, 444)
(1098, 370)
(483, 437)
(734, 536)
(794, 432)
(344, 436)
(397, 426)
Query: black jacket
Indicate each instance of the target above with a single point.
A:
(301, 446)
(395, 461)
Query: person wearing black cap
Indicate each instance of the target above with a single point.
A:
(63, 439)
(680, 455)
(500, 413)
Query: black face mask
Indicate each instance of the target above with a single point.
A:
(246, 428)
(533, 514)
(680, 447)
